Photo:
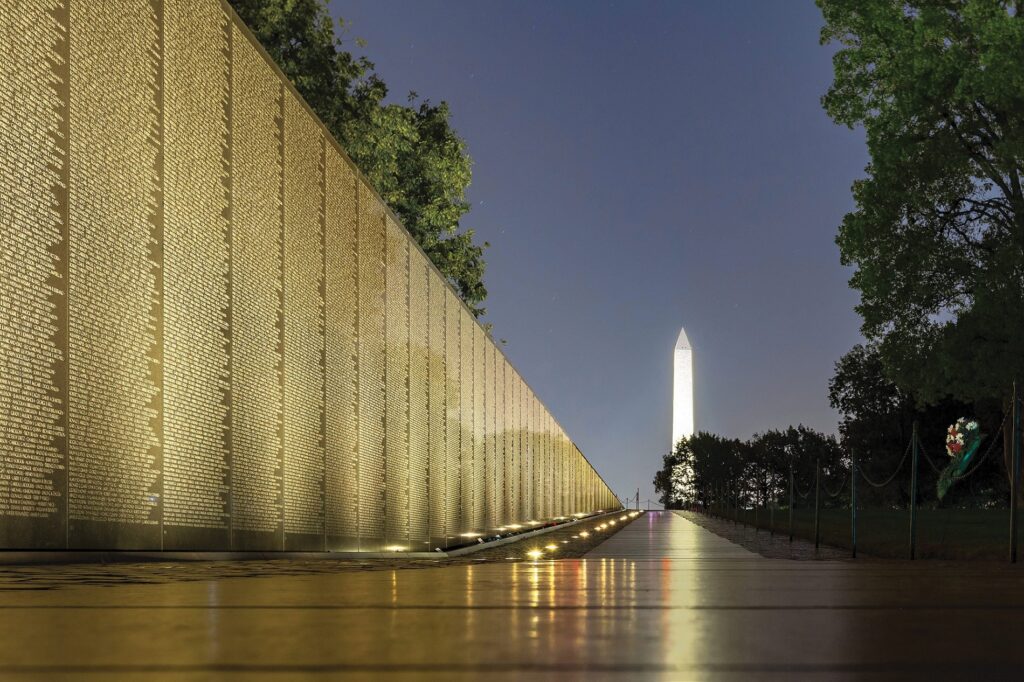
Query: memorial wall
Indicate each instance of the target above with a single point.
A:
(213, 333)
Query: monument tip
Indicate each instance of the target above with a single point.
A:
(682, 341)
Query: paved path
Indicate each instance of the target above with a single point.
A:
(664, 535)
(662, 599)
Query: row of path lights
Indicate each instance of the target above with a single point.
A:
(538, 552)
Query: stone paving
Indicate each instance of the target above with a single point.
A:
(663, 598)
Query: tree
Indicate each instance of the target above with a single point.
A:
(663, 480)
(877, 419)
(804, 448)
(675, 482)
(717, 465)
(409, 153)
(768, 467)
(707, 468)
(937, 235)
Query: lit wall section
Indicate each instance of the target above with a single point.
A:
(215, 335)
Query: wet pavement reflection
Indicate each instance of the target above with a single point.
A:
(663, 598)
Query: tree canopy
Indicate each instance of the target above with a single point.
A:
(706, 466)
(937, 235)
(877, 419)
(410, 153)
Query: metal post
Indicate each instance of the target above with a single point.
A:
(817, 503)
(791, 500)
(756, 529)
(853, 503)
(638, 499)
(735, 505)
(913, 494)
(771, 516)
(1014, 475)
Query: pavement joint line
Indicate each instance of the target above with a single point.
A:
(506, 607)
(975, 668)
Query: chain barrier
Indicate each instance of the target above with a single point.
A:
(802, 496)
(889, 480)
(842, 487)
(931, 463)
(855, 468)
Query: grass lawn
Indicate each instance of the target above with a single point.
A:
(941, 533)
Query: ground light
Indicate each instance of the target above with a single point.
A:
(551, 547)
(584, 534)
(395, 548)
(535, 554)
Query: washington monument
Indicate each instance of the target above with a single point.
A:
(682, 389)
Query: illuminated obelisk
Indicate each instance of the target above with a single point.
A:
(682, 389)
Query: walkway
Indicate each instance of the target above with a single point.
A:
(661, 599)
(664, 535)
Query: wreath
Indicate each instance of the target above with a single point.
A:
(962, 441)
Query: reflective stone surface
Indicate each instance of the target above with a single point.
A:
(662, 599)
(213, 331)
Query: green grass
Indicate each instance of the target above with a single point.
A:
(979, 534)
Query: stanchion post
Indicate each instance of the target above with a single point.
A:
(913, 493)
(756, 529)
(1014, 474)
(817, 503)
(853, 503)
(791, 500)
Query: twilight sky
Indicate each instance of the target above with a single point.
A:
(640, 166)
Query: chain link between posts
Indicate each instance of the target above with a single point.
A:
(889, 480)
(837, 493)
(931, 463)
(802, 496)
